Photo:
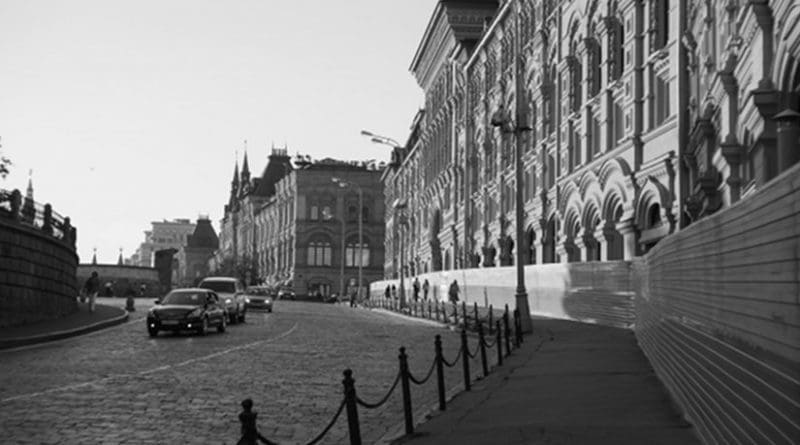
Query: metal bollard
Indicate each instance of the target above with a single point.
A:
(437, 311)
(430, 312)
(406, 391)
(491, 317)
(499, 343)
(477, 317)
(482, 344)
(444, 313)
(507, 332)
(465, 357)
(352, 407)
(517, 330)
(440, 372)
(464, 313)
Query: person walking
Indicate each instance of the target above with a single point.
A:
(416, 289)
(453, 292)
(425, 287)
(92, 287)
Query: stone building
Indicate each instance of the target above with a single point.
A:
(162, 235)
(192, 258)
(298, 227)
(632, 118)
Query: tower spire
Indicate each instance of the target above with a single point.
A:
(94, 255)
(29, 192)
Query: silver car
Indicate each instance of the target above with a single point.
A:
(231, 292)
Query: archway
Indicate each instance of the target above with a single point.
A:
(530, 238)
(549, 242)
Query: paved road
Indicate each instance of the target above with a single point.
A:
(120, 386)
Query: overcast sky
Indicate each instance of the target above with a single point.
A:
(132, 111)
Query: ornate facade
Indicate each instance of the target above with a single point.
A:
(633, 118)
(298, 227)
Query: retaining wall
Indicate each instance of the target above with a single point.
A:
(37, 275)
(124, 279)
(718, 316)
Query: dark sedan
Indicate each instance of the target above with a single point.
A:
(259, 297)
(187, 310)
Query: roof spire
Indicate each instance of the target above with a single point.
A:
(94, 255)
(119, 260)
(29, 192)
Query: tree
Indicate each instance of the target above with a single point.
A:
(245, 269)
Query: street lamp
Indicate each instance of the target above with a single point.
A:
(342, 183)
(502, 119)
(399, 208)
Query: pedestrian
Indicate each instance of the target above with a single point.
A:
(453, 292)
(388, 292)
(416, 289)
(425, 287)
(250, 434)
(394, 292)
(92, 287)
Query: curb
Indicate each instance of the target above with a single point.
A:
(59, 335)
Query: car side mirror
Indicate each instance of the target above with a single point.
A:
(157, 301)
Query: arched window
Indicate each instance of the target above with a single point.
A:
(319, 252)
(653, 216)
(351, 253)
(352, 213)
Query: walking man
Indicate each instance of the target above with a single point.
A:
(92, 287)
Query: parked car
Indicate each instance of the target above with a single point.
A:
(260, 297)
(190, 309)
(286, 294)
(231, 293)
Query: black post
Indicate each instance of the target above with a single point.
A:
(517, 330)
(491, 317)
(482, 343)
(406, 391)
(464, 313)
(477, 318)
(440, 371)
(465, 358)
(352, 407)
(455, 314)
(430, 312)
(507, 331)
(499, 343)
(444, 313)
(437, 311)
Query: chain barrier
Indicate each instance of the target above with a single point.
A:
(502, 329)
(450, 365)
(330, 424)
(384, 399)
(425, 380)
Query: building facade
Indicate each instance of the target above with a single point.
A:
(302, 230)
(192, 258)
(162, 235)
(632, 119)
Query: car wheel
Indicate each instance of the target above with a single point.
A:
(203, 329)
(231, 317)
(152, 331)
(242, 315)
(269, 310)
(223, 324)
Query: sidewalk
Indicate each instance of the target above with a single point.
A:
(77, 323)
(570, 383)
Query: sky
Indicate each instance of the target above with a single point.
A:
(128, 112)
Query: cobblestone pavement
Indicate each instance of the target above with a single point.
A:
(120, 386)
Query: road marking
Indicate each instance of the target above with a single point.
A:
(150, 371)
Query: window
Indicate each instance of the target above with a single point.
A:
(327, 214)
(551, 171)
(594, 55)
(365, 214)
(597, 145)
(351, 254)
(314, 214)
(661, 100)
(352, 213)
(319, 253)
(660, 21)
(619, 122)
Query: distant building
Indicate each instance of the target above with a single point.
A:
(299, 228)
(192, 258)
(162, 235)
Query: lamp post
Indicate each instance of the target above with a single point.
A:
(360, 216)
(502, 119)
(399, 213)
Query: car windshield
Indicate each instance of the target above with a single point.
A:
(192, 298)
(219, 286)
(258, 291)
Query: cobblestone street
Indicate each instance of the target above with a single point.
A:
(120, 386)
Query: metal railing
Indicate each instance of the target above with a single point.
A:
(475, 321)
(41, 217)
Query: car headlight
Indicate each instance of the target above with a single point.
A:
(227, 301)
(246, 300)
